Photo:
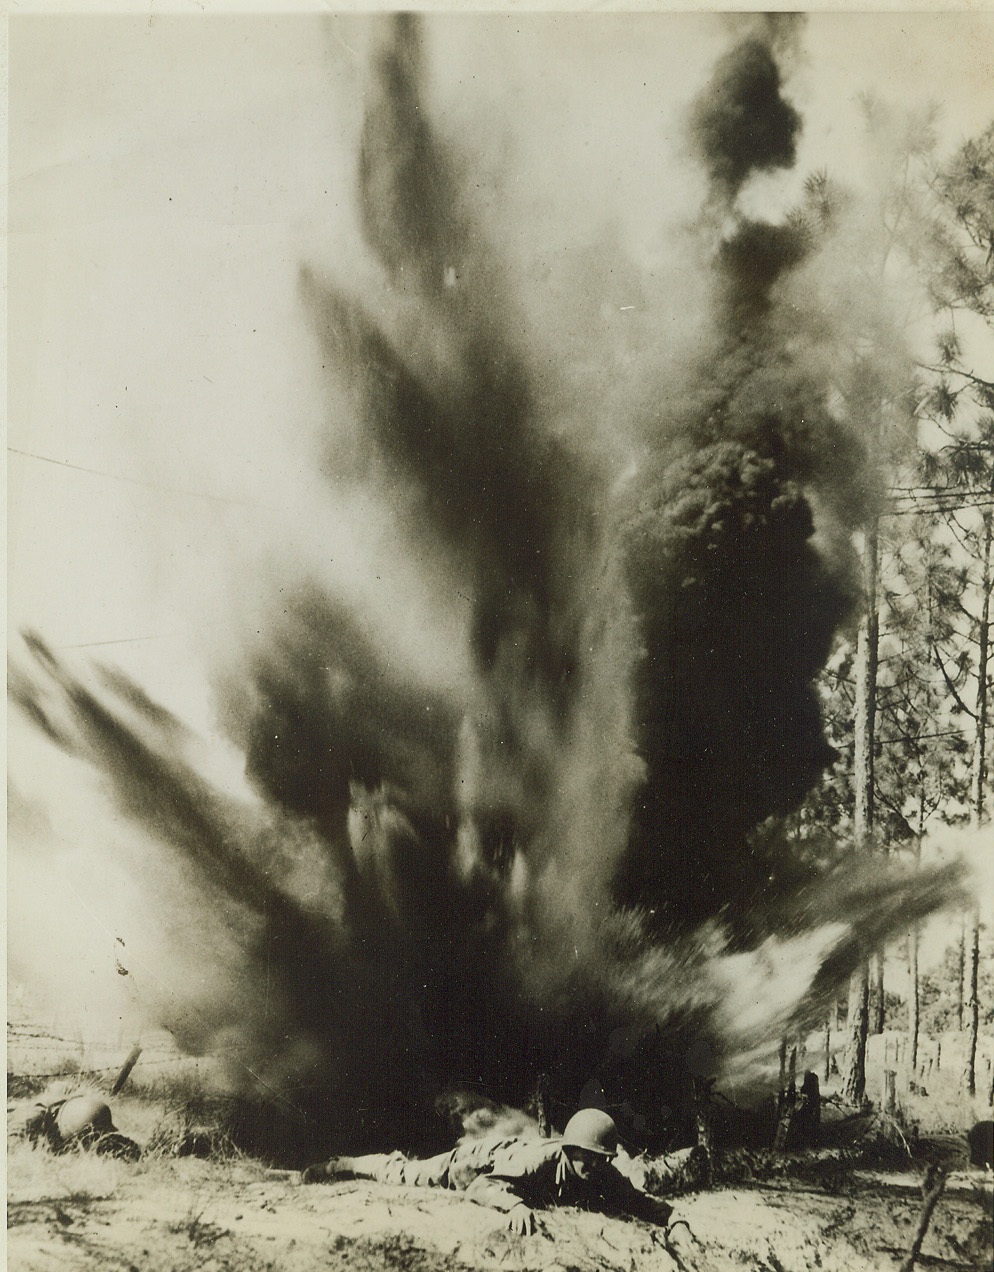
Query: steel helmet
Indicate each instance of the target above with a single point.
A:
(84, 1117)
(593, 1130)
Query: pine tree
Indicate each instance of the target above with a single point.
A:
(862, 239)
(957, 249)
(900, 143)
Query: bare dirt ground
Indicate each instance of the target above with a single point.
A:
(166, 1213)
(84, 1215)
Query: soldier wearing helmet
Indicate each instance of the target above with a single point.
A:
(77, 1121)
(518, 1175)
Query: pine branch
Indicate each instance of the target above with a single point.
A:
(954, 370)
(949, 684)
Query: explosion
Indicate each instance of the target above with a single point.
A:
(537, 861)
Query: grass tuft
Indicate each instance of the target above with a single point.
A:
(35, 1174)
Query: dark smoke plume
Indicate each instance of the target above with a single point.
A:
(546, 869)
(738, 607)
(742, 123)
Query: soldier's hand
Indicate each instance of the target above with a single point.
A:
(681, 1243)
(521, 1220)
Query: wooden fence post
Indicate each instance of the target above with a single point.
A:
(125, 1070)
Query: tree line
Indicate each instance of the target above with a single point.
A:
(906, 695)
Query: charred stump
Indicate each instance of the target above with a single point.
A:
(806, 1121)
(981, 1141)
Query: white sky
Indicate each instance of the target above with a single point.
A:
(167, 177)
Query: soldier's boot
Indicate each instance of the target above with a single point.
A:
(333, 1168)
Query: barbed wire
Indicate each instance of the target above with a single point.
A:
(90, 1070)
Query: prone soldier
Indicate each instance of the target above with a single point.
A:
(65, 1123)
(519, 1175)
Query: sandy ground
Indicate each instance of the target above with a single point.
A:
(187, 1214)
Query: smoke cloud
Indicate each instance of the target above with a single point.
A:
(539, 864)
(743, 124)
(738, 605)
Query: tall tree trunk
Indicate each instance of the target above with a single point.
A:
(827, 1067)
(787, 1103)
(878, 996)
(914, 1004)
(961, 973)
(972, 1004)
(879, 1013)
(864, 725)
(704, 1117)
(978, 791)
(836, 1027)
(914, 985)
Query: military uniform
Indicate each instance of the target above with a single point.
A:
(504, 1173)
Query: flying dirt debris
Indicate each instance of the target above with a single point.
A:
(538, 861)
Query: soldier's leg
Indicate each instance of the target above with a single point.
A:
(386, 1168)
(430, 1172)
(369, 1167)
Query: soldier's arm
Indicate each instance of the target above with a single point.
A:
(499, 1195)
(642, 1205)
(621, 1196)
